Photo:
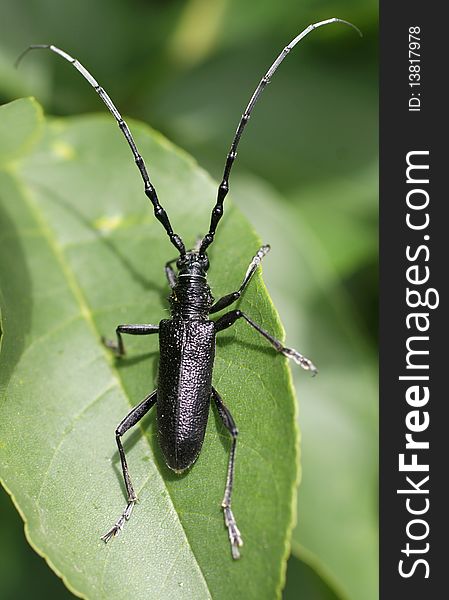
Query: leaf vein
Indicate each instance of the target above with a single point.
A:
(65, 433)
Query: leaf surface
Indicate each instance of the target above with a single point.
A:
(81, 252)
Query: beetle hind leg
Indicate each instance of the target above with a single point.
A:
(233, 531)
(129, 421)
(118, 526)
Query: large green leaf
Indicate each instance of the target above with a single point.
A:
(81, 252)
(337, 531)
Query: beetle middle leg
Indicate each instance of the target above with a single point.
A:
(231, 317)
(118, 347)
(228, 422)
(131, 419)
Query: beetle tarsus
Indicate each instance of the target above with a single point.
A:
(116, 529)
(300, 360)
(234, 534)
(112, 346)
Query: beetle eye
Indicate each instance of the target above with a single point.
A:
(204, 261)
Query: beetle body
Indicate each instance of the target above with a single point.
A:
(187, 351)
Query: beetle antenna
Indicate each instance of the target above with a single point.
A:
(223, 188)
(150, 191)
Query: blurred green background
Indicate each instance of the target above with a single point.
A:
(306, 177)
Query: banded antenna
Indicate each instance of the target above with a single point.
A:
(223, 188)
(150, 191)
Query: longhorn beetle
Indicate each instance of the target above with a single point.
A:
(187, 339)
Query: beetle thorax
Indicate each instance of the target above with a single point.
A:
(191, 298)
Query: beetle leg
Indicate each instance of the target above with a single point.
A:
(129, 421)
(229, 299)
(228, 422)
(170, 273)
(118, 347)
(231, 317)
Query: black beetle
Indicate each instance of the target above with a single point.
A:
(187, 339)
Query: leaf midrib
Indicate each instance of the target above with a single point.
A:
(86, 314)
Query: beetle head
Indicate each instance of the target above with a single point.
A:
(193, 263)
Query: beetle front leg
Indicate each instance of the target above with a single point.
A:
(118, 347)
(170, 273)
(233, 531)
(229, 299)
(129, 421)
(231, 317)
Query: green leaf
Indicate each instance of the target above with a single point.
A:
(81, 252)
(19, 130)
(337, 500)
